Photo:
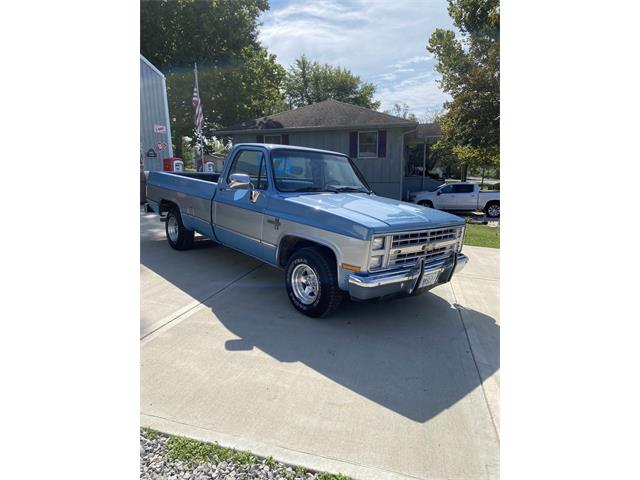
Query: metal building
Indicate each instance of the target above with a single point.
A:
(155, 127)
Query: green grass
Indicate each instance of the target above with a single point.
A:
(195, 452)
(150, 433)
(482, 236)
(332, 476)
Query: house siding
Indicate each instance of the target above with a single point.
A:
(384, 174)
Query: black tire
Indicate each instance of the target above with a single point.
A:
(492, 209)
(184, 238)
(328, 296)
(426, 203)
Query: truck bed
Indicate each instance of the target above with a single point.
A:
(193, 192)
(207, 177)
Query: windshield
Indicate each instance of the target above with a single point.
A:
(300, 171)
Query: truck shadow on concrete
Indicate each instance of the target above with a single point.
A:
(410, 355)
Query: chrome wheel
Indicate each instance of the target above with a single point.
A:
(173, 229)
(304, 283)
(494, 210)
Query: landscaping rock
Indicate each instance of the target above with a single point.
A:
(155, 464)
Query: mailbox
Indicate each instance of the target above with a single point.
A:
(178, 165)
(209, 167)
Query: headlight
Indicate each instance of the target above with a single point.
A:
(377, 243)
(375, 262)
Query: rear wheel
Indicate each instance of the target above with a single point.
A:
(426, 203)
(312, 283)
(177, 235)
(493, 209)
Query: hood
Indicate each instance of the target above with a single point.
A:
(379, 214)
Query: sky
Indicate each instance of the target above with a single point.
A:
(382, 41)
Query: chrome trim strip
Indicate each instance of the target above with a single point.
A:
(239, 234)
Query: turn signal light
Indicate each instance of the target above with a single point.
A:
(353, 268)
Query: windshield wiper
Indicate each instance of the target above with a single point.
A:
(315, 189)
(351, 189)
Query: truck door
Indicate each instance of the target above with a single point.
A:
(445, 198)
(238, 220)
(466, 196)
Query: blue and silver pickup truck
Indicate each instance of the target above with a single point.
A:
(311, 213)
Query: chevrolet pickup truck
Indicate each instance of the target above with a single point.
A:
(311, 213)
(460, 197)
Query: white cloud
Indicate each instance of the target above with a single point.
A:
(412, 60)
(380, 41)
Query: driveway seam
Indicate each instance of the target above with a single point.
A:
(199, 303)
(475, 362)
(332, 459)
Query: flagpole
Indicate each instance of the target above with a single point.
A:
(201, 144)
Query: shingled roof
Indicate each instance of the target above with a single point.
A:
(428, 130)
(326, 114)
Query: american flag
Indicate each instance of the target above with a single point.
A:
(195, 101)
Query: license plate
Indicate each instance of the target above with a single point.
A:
(429, 279)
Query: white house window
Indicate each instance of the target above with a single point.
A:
(273, 139)
(367, 144)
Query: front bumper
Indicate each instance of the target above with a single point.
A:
(365, 287)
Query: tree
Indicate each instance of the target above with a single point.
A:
(470, 69)
(177, 33)
(402, 110)
(244, 88)
(238, 79)
(309, 82)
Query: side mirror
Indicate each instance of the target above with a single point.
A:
(239, 180)
(439, 192)
(242, 180)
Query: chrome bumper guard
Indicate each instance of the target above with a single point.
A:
(365, 287)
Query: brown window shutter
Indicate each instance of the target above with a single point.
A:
(353, 144)
(285, 139)
(382, 143)
(260, 139)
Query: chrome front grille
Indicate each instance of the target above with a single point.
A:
(408, 248)
(409, 239)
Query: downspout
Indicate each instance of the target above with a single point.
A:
(402, 162)
(424, 162)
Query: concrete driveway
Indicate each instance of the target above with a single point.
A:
(401, 389)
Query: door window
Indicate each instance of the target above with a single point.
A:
(252, 163)
(447, 189)
(463, 189)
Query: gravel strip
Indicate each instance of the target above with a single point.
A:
(156, 464)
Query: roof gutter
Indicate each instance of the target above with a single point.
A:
(311, 129)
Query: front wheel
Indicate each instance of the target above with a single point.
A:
(178, 236)
(312, 283)
(493, 209)
(426, 203)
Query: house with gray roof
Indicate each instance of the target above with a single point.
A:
(377, 142)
